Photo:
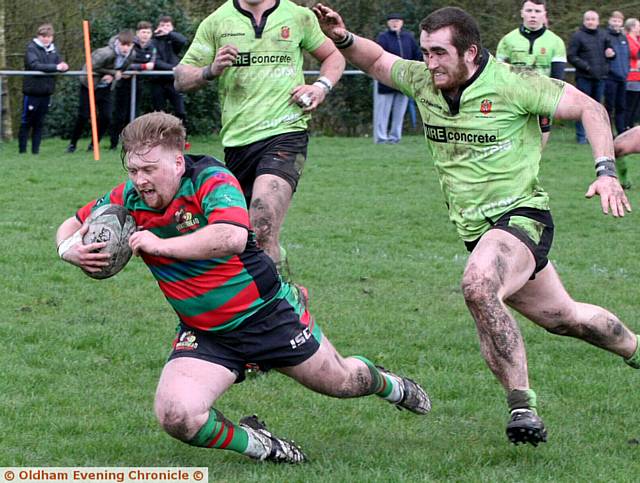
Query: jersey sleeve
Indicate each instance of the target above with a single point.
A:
(221, 198)
(313, 36)
(407, 75)
(534, 93)
(559, 51)
(503, 53)
(114, 197)
(202, 50)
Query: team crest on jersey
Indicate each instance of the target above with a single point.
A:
(543, 50)
(186, 342)
(185, 220)
(485, 106)
(285, 32)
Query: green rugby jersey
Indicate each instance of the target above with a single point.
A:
(487, 152)
(255, 92)
(522, 48)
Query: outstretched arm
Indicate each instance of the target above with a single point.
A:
(574, 105)
(363, 53)
(628, 142)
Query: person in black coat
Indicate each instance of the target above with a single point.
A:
(41, 56)
(616, 82)
(169, 44)
(589, 49)
(390, 105)
(142, 58)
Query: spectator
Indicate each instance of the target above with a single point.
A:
(390, 105)
(533, 46)
(589, 49)
(42, 56)
(143, 57)
(169, 44)
(615, 84)
(108, 64)
(632, 28)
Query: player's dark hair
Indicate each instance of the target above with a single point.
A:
(126, 37)
(537, 2)
(465, 30)
(151, 130)
(46, 30)
(165, 19)
(143, 24)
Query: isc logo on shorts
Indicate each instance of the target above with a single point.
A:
(300, 339)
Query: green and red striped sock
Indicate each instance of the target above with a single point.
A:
(383, 385)
(220, 433)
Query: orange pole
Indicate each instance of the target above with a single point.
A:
(92, 95)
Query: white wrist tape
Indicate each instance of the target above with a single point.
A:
(324, 83)
(68, 243)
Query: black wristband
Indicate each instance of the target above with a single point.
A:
(207, 74)
(606, 167)
(346, 42)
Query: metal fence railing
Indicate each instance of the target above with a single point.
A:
(134, 75)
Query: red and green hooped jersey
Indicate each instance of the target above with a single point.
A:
(215, 294)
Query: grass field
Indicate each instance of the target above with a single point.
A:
(368, 234)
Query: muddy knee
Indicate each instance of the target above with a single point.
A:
(478, 289)
(263, 220)
(176, 420)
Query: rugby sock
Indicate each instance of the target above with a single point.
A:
(522, 399)
(634, 360)
(386, 386)
(220, 433)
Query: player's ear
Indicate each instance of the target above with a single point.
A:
(180, 160)
(471, 53)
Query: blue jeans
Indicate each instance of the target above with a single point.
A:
(615, 95)
(594, 88)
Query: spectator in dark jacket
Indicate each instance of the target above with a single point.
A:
(42, 56)
(169, 44)
(108, 64)
(589, 49)
(142, 58)
(390, 105)
(616, 82)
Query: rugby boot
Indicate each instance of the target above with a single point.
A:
(278, 450)
(414, 397)
(525, 426)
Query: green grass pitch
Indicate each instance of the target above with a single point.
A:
(368, 234)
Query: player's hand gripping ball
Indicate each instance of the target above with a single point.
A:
(113, 225)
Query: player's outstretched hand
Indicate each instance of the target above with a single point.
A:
(330, 22)
(225, 57)
(611, 195)
(308, 96)
(145, 241)
(86, 256)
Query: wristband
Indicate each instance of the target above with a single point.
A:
(324, 83)
(65, 245)
(606, 166)
(346, 42)
(207, 74)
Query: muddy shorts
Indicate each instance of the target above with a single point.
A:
(532, 227)
(283, 155)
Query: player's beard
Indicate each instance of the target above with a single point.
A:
(457, 77)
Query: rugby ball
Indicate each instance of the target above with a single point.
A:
(113, 225)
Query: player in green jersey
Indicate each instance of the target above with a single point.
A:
(254, 49)
(533, 46)
(481, 128)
